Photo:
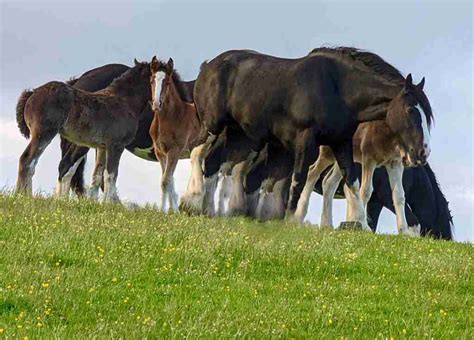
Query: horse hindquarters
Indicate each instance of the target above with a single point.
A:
(43, 120)
(29, 160)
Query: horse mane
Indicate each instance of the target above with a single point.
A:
(370, 60)
(378, 66)
(72, 81)
(180, 88)
(124, 80)
(444, 219)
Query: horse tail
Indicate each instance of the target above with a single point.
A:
(20, 113)
(444, 220)
(77, 180)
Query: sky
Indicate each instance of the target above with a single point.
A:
(55, 40)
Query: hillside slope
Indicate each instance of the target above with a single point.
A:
(78, 269)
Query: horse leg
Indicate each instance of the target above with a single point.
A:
(164, 194)
(238, 198)
(366, 187)
(71, 157)
(306, 153)
(167, 181)
(224, 193)
(280, 190)
(374, 208)
(191, 201)
(355, 208)
(313, 175)
(97, 174)
(395, 175)
(266, 200)
(330, 185)
(67, 169)
(29, 159)
(113, 154)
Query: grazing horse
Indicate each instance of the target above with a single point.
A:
(304, 103)
(425, 205)
(175, 127)
(374, 145)
(73, 157)
(106, 120)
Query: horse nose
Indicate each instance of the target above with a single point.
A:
(421, 159)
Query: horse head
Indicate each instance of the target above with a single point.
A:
(409, 116)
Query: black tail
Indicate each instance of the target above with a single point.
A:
(20, 113)
(444, 220)
(77, 181)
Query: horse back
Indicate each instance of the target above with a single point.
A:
(266, 95)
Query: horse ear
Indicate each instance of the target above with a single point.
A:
(154, 64)
(421, 84)
(170, 64)
(135, 61)
(408, 80)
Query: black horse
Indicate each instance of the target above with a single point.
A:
(303, 103)
(73, 157)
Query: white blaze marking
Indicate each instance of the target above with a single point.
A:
(159, 76)
(426, 131)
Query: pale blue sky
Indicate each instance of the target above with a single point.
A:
(46, 40)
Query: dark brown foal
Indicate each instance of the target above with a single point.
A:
(106, 120)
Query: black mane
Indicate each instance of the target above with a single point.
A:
(378, 66)
(125, 79)
(371, 60)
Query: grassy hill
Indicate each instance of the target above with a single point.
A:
(74, 269)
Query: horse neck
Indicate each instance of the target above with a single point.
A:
(370, 89)
(382, 141)
(135, 93)
(176, 106)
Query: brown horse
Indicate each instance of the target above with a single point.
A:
(376, 144)
(106, 120)
(175, 127)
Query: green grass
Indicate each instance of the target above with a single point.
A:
(74, 269)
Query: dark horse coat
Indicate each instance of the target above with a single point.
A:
(73, 157)
(303, 103)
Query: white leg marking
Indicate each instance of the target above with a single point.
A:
(224, 194)
(192, 198)
(238, 202)
(355, 208)
(210, 186)
(110, 194)
(313, 175)
(173, 196)
(395, 175)
(330, 184)
(65, 185)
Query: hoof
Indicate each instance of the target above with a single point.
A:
(350, 225)
(191, 205)
(412, 231)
